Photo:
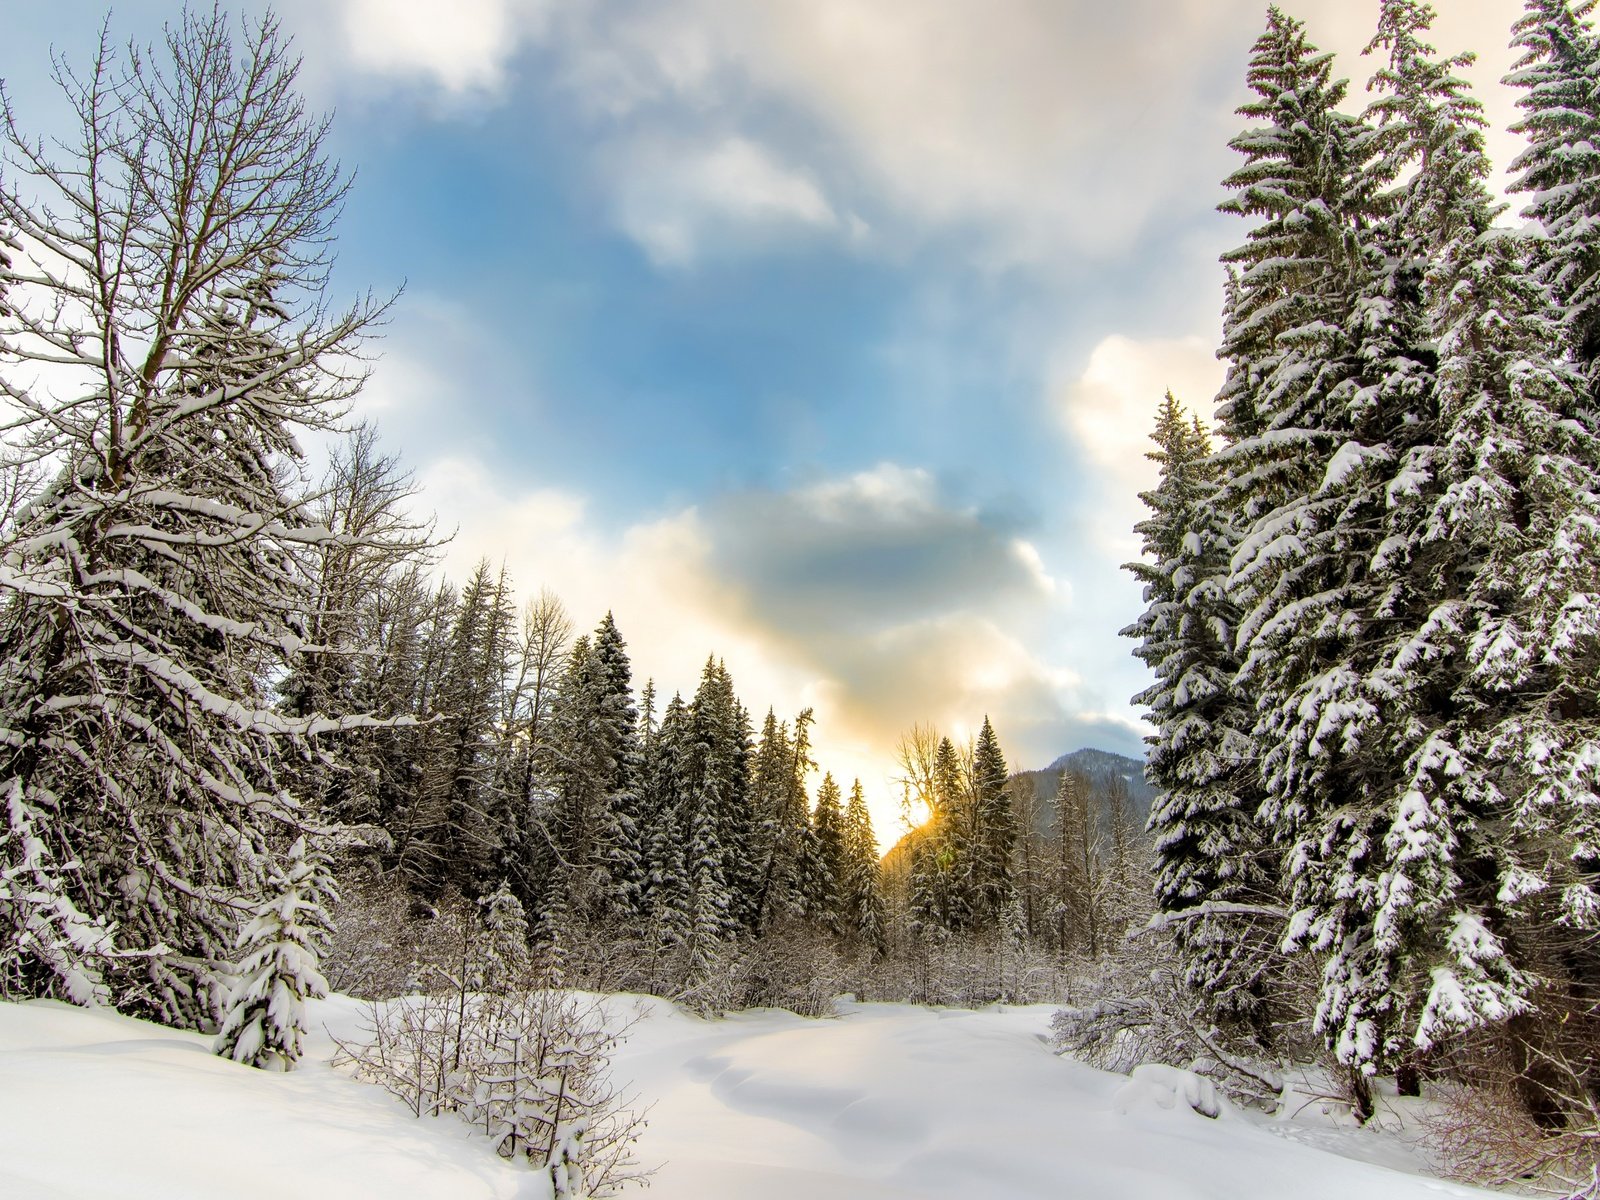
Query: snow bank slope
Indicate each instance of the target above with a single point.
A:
(885, 1102)
(894, 1101)
(93, 1104)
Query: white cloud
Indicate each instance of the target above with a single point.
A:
(1047, 128)
(678, 201)
(891, 491)
(459, 45)
(1107, 407)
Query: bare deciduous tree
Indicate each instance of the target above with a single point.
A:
(166, 337)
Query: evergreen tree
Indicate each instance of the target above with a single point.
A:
(1209, 849)
(827, 899)
(597, 821)
(459, 781)
(994, 830)
(862, 891)
(715, 815)
(792, 869)
(618, 720)
(1075, 908)
(941, 875)
(668, 891)
(155, 587)
(503, 956)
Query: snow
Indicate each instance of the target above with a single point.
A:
(883, 1102)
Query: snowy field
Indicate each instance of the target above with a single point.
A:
(885, 1101)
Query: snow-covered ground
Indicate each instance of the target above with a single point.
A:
(885, 1101)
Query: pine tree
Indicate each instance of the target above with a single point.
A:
(1305, 182)
(1075, 909)
(1209, 849)
(668, 892)
(459, 767)
(792, 868)
(597, 821)
(714, 815)
(264, 1021)
(1386, 782)
(618, 720)
(527, 756)
(503, 958)
(994, 831)
(412, 620)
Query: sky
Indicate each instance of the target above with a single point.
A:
(823, 336)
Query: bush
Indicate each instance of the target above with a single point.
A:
(1134, 1009)
(488, 1039)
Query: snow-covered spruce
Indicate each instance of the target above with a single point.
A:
(264, 1015)
(1208, 845)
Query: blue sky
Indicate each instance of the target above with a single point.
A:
(822, 335)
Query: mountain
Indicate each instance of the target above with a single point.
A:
(1104, 770)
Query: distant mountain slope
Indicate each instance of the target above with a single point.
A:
(1100, 767)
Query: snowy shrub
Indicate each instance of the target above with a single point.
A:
(1136, 1009)
(527, 1068)
(797, 966)
(1167, 1087)
(961, 972)
(386, 942)
(489, 1039)
(1522, 1110)
(1484, 1135)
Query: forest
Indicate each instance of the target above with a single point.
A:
(254, 746)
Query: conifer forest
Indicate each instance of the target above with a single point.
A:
(257, 747)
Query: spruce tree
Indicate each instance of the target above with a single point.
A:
(460, 776)
(1209, 849)
(862, 891)
(618, 719)
(597, 819)
(1389, 759)
(714, 815)
(503, 960)
(792, 869)
(665, 796)
(994, 831)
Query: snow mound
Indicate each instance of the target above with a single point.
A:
(1169, 1088)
